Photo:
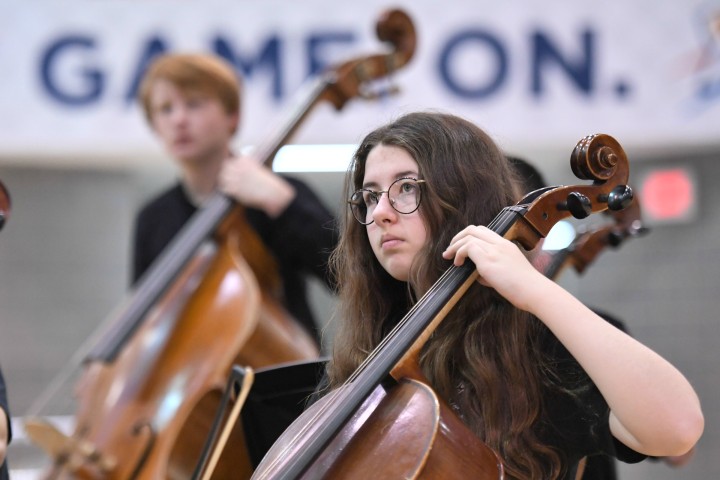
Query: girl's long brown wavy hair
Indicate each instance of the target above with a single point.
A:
(484, 358)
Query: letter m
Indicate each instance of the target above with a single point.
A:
(268, 58)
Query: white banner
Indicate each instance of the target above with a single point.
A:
(534, 74)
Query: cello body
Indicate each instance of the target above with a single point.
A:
(408, 430)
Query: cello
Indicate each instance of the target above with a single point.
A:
(155, 375)
(386, 413)
(584, 249)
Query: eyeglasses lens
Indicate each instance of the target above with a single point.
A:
(404, 195)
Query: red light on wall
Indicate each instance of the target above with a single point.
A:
(669, 195)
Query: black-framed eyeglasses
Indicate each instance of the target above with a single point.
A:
(404, 195)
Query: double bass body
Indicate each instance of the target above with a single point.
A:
(151, 389)
(147, 414)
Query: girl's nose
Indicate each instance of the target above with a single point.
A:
(384, 209)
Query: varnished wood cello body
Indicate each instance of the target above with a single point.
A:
(388, 389)
(153, 381)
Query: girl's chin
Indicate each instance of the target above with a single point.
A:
(398, 272)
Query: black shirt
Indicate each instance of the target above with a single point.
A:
(301, 239)
(578, 423)
(574, 419)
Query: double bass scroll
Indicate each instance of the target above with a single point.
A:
(353, 78)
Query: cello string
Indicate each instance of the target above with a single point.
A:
(346, 389)
(501, 219)
(502, 225)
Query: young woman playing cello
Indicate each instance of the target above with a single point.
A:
(538, 376)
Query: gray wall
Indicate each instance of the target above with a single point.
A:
(64, 264)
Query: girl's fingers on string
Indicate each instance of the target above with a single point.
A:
(472, 233)
(458, 248)
(485, 234)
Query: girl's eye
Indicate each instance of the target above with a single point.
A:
(370, 198)
(407, 187)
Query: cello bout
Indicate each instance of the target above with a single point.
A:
(408, 429)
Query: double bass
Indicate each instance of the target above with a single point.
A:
(154, 377)
(387, 413)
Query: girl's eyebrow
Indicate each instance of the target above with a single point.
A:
(405, 174)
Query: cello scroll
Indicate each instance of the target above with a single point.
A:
(596, 157)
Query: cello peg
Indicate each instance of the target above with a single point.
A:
(577, 204)
(619, 198)
(614, 239)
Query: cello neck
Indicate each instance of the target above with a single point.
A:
(558, 261)
(586, 247)
(4, 205)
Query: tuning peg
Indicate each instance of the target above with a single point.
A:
(614, 239)
(577, 204)
(619, 198)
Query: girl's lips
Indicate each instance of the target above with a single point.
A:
(390, 242)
